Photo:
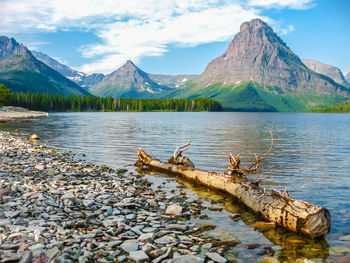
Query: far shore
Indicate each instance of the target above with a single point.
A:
(10, 113)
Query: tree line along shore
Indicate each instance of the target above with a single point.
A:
(61, 103)
(72, 103)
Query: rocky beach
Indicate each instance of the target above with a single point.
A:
(11, 113)
(56, 209)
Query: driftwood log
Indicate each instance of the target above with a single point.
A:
(295, 215)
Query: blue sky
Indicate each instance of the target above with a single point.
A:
(171, 36)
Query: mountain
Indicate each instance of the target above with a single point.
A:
(171, 81)
(328, 70)
(80, 78)
(128, 81)
(259, 71)
(347, 77)
(20, 71)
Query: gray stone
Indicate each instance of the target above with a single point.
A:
(129, 246)
(167, 254)
(27, 257)
(88, 202)
(121, 258)
(82, 259)
(187, 259)
(146, 237)
(114, 221)
(113, 244)
(52, 253)
(176, 227)
(11, 257)
(11, 214)
(37, 247)
(216, 257)
(165, 240)
(138, 256)
(130, 217)
(195, 248)
(68, 196)
(5, 222)
(12, 246)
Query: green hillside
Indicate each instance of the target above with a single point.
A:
(250, 96)
(342, 107)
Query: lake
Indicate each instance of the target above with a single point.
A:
(310, 157)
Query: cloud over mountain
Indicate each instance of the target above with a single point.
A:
(134, 29)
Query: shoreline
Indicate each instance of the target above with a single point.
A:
(10, 113)
(60, 209)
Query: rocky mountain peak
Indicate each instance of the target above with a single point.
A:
(258, 55)
(256, 39)
(9, 46)
(254, 24)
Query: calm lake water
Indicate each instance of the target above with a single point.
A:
(311, 158)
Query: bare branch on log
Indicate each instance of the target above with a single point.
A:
(254, 166)
(178, 159)
(179, 150)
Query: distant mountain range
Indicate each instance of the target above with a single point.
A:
(258, 72)
(22, 72)
(112, 84)
(80, 78)
(128, 81)
(347, 77)
(328, 70)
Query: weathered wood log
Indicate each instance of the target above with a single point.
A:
(295, 215)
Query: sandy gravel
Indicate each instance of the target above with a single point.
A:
(14, 113)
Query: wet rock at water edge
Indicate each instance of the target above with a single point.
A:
(173, 209)
(34, 137)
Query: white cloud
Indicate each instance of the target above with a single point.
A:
(287, 30)
(293, 4)
(135, 28)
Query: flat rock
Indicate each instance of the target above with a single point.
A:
(187, 259)
(69, 195)
(146, 237)
(129, 246)
(176, 227)
(216, 257)
(5, 222)
(27, 257)
(52, 253)
(88, 202)
(165, 240)
(138, 256)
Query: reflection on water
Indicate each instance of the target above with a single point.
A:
(311, 157)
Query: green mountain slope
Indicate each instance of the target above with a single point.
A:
(342, 107)
(251, 96)
(20, 71)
